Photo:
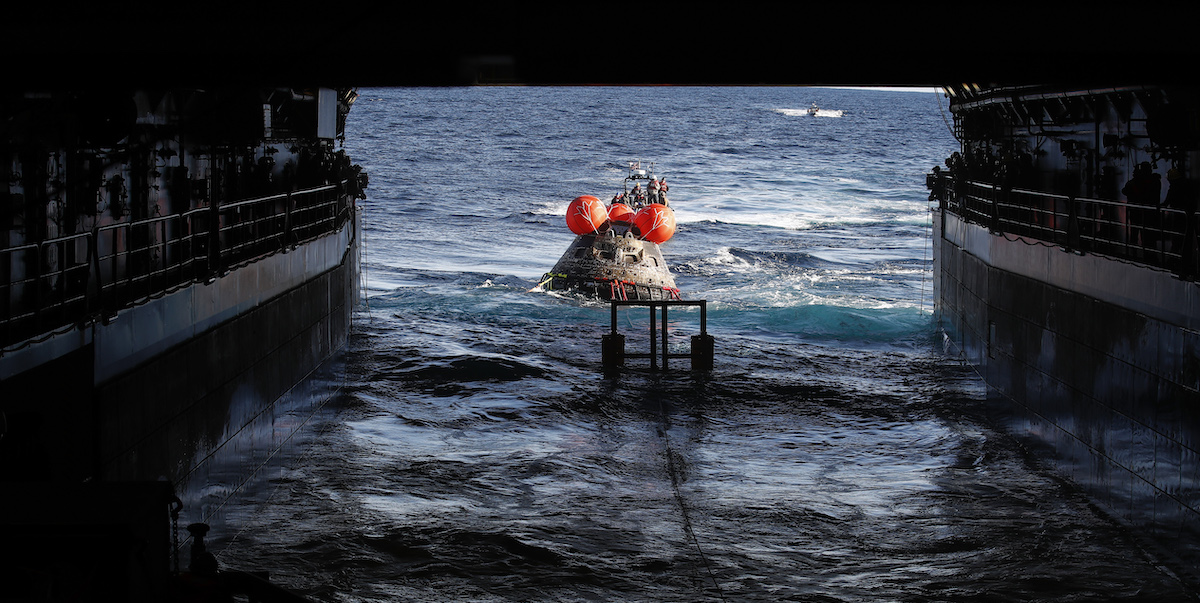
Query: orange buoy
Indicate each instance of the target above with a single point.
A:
(586, 215)
(655, 223)
(619, 212)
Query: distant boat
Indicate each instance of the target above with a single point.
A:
(812, 110)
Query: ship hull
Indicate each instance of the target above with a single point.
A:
(178, 274)
(200, 387)
(1092, 362)
(1065, 258)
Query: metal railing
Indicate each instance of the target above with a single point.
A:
(1157, 236)
(52, 285)
(613, 343)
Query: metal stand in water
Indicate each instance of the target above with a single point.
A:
(613, 343)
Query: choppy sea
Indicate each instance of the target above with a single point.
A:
(834, 453)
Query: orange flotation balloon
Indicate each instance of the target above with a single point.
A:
(586, 215)
(655, 222)
(619, 212)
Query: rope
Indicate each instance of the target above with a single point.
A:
(943, 112)
(542, 284)
(549, 277)
(176, 507)
(302, 462)
(687, 521)
(362, 266)
(674, 472)
(928, 245)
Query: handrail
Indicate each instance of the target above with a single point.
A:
(700, 354)
(1157, 236)
(50, 285)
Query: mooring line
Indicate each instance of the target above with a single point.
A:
(687, 520)
(321, 431)
(362, 271)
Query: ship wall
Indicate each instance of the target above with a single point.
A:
(1094, 363)
(178, 275)
(200, 387)
(211, 413)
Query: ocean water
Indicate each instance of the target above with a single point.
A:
(835, 453)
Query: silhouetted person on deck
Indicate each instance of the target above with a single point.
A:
(1182, 195)
(1142, 192)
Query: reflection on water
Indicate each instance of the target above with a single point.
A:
(250, 443)
(780, 477)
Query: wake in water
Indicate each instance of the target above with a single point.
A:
(806, 113)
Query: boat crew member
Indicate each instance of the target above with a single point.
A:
(1182, 196)
(1143, 192)
(653, 188)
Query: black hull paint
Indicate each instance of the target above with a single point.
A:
(1065, 259)
(218, 403)
(1101, 387)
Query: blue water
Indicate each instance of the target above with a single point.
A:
(833, 454)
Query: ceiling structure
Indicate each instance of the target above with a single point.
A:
(575, 44)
